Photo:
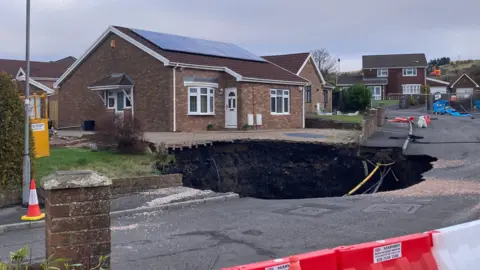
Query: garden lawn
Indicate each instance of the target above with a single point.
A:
(111, 164)
(343, 118)
(384, 103)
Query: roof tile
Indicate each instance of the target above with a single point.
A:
(394, 60)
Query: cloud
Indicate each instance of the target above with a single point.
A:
(347, 28)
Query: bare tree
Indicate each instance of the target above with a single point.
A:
(325, 61)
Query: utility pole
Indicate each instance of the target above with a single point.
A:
(26, 157)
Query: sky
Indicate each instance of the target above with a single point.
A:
(348, 29)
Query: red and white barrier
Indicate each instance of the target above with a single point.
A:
(457, 247)
(451, 248)
(308, 261)
(405, 252)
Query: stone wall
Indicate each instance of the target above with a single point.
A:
(10, 197)
(123, 186)
(317, 122)
(372, 119)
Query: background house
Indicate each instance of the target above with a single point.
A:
(42, 77)
(389, 75)
(317, 97)
(172, 83)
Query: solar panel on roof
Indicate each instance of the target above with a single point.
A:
(194, 45)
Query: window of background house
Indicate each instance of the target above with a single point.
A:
(126, 101)
(409, 72)
(411, 89)
(382, 72)
(308, 94)
(201, 100)
(110, 99)
(279, 101)
(325, 96)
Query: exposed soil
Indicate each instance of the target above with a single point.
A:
(293, 170)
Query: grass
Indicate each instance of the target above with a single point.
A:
(343, 118)
(383, 103)
(111, 164)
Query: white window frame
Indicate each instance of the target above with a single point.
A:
(372, 89)
(382, 73)
(125, 98)
(284, 94)
(210, 95)
(411, 89)
(108, 95)
(409, 72)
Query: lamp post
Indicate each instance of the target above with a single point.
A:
(26, 157)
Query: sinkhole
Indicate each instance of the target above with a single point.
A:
(295, 170)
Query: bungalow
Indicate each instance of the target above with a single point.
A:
(42, 77)
(317, 96)
(174, 83)
(464, 85)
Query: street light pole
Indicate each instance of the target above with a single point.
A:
(26, 157)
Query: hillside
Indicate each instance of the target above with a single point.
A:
(453, 70)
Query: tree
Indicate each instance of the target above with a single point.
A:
(12, 135)
(326, 62)
(356, 98)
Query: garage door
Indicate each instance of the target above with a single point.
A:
(441, 89)
(464, 91)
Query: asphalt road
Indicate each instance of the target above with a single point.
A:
(249, 230)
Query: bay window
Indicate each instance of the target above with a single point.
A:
(279, 101)
(201, 101)
(411, 89)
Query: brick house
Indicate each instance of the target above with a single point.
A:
(178, 86)
(42, 77)
(389, 74)
(317, 96)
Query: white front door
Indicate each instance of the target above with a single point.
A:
(231, 108)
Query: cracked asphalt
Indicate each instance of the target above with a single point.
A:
(249, 230)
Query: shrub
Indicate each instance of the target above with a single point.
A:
(356, 98)
(12, 135)
(125, 133)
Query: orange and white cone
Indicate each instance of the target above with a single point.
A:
(33, 211)
(295, 263)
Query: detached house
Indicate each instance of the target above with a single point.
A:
(389, 74)
(317, 96)
(174, 83)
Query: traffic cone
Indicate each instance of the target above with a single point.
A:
(33, 211)
(295, 263)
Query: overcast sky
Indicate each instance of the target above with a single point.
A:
(346, 28)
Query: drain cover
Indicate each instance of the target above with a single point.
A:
(306, 135)
(308, 210)
(393, 208)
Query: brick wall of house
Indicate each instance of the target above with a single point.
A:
(310, 73)
(152, 91)
(396, 79)
(187, 122)
(255, 98)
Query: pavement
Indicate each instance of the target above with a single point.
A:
(137, 202)
(248, 230)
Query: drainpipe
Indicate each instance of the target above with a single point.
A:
(174, 99)
(133, 103)
(303, 106)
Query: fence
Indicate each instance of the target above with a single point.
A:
(462, 102)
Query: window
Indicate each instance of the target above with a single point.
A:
(325, 96)
(279, 101)
(411, 89)
(201, 100)
(126, 101)
(111, 99)
(382, 72)
(308, 94)
(376, 92)
(409, 72)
